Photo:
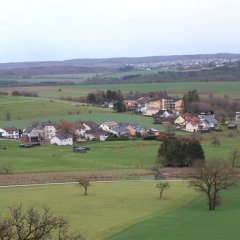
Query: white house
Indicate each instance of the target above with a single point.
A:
(46, 131)
(31, 133)
(9, 132)
(192, 126)
(150, 111)
(107, 126)
(237, 116)
(62, 139)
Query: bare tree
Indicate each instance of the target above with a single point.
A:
(212, 177)
(162, 186)
(85, 184)
(234, 157)
(215, 142)
(33, 225)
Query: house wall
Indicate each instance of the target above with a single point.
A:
(191, 128)
(61, 142)
(150, 112)
(180, 120)
(48, 132)
(179, 105)
(237, 116)
(3, 133)
(155, 104)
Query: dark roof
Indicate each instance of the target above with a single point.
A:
(10, 129)
(79, 126)
(96, 131)
(162, 111)
(205, 112)
(91, 124)
(63, 136)
(28, 130)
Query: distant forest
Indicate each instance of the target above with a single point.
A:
(211, 75)
(15, 74)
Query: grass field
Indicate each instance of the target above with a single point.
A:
(191, 222)
(219, 89)
(204, 88)
(103, 155)
(24, 111)
(28, 107)
(108, 209)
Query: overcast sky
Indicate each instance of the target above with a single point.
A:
(32, 30)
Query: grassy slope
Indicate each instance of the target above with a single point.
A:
(25, 111)
(109, 208)
(191, 222)
(24, 108)
(103, 155)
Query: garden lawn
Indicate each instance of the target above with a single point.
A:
(108, 209)
(103, 155)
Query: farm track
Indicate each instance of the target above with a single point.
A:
(45, 178)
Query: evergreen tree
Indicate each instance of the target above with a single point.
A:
(176, 153)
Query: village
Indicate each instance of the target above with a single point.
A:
(167, 112)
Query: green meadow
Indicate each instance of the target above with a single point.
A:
(24, 111)
(103, 155)
(108, 209)
(178, 88)
(135, 154)
(133, 210)
(29, 107)
(192, 221)
(218, 89)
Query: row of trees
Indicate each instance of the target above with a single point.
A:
(100, 96)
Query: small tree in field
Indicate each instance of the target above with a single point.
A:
(211, 177)
(34, 225)
(234, 157)
(215, 142)
(85, 184)
(162, 186)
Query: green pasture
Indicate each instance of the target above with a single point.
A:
(108, 209)
(192, 221)
(220, 89)
(24, 111)
(103, 155)
(227, 144)
(217, 89)
(29, 108)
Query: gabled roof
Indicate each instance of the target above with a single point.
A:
(110, 124)
(136, 127)
(91, 124)
(143, 100)
(42, 125)
(96, 131)
(63, 136)
(79, 126)
(10, 129)
(28, 130)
